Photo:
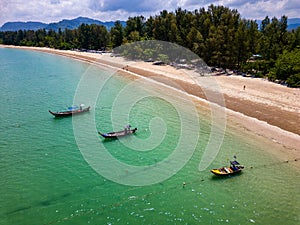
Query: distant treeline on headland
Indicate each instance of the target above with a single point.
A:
(218, 35)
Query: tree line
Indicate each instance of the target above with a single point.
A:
(218, 35)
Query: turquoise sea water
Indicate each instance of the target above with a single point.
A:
(47, 179)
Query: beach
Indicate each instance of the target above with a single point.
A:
(60, 170)
(255, 105)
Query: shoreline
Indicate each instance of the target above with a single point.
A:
(265, 109)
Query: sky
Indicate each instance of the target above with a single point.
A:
(48, 11)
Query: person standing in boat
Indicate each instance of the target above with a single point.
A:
(81, 107)
(127, 128)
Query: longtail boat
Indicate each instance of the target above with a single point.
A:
(122, 133)
(70, 111)
(234, 168)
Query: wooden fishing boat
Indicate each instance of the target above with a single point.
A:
(122, 133)
(71, 111)
(234, 168)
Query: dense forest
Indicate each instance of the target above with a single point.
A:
(218, 35)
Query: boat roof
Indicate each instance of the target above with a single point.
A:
(234, 162)
(73, 107)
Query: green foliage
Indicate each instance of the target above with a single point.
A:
(218, 35)
(272, 76)
(288, 64)
(117, 34)
(274, 38)
(135, 27)
(85, 37)
(294, 80)
(149, 54)
(164, 58)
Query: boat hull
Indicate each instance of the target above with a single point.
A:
(69, 113)
(118, 134)
(221, 173)
(234, 168)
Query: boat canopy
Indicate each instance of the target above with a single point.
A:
(234, 163)
(74, 107)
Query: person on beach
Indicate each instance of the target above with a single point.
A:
(244, 87)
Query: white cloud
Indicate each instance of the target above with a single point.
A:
(55, 10)
(261, 8)
(55, 2)
(132, 5)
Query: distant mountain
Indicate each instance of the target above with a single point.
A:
(75, 23)
(293, 26)
(64, 24)
(15, 26)
(293, 23)
(293, 20)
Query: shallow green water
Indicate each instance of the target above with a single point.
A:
(45, 178)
